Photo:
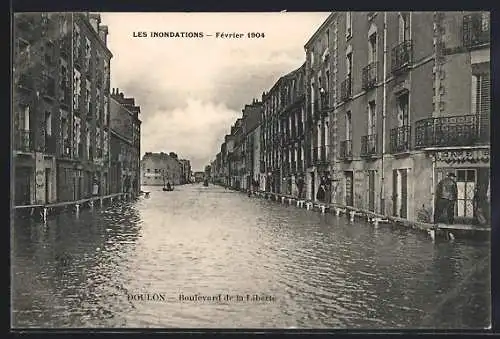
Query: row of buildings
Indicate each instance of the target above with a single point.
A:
(72, 137)
(162, 168)
(383, 107)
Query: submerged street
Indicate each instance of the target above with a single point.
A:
(308, 270)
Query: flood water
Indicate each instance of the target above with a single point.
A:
(309, 270)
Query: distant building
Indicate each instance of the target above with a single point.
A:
(199, 176)
(185, 171)
(125, 144)
(160, 168)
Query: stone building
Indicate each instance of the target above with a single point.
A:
(251, 138)
(61, 107)
(160, 168)
(404, 118)
(185, 171)
(125, 142)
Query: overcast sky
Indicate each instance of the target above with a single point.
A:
(192, 90)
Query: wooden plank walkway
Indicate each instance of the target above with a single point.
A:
(377, 218)
(71, 203)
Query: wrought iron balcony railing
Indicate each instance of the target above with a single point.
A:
(476, 30)
(24, 141)
(346, 150)
(461, 130)
(400, 139)
(368, 145)
(369, 76)
(50, 144)
(402, 55)
(346, 89)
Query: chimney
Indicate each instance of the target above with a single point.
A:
(95, 20)
(103, 34)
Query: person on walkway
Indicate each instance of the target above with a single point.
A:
(299, 181)
(446, 197)
(321, 194)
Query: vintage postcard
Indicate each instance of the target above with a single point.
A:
(288, 170)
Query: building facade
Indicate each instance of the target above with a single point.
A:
(160, 168)
(385, 105)
(61, 107)
(125, 147)
(185, 171)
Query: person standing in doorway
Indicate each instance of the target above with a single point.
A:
(446, 197)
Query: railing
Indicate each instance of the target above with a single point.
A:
(346, 149)
(50, 144)
(369, 76)
(368, 145)
(400, 139)
(476, 30)
(346, 89)
(24, 141)
(402, 55)
(461, 130)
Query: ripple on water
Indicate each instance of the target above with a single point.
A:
(322, 270)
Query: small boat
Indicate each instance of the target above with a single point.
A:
(168, 189)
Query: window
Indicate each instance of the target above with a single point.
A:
(372, 48)
(348, 126)
(403, 110)
(372, 118)
(88, 142)
(349, 64)
(311, 57)
(348, 25)
(156, 170)
(327, 38)
(77, 89)
(48, 123)
(404, 27)
(466, 184)
(25, 118)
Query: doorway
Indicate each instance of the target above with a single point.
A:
(349, 189)
(313, 186)
(371, 190)
(400, 193)
(48, 185)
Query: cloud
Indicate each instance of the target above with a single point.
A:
(192, 90)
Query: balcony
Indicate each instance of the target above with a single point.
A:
(461, 130)
(346, 89)
(476, 30)
(369, 76)
(368, 145)
(346, 150)
(400, 139)
(402, 55)
(50, 144)
(23, 141)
